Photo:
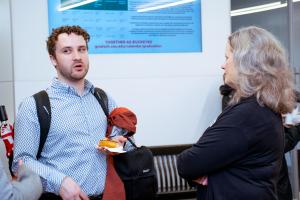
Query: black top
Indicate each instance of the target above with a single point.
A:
(241, 154)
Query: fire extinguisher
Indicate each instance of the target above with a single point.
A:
(7, 132)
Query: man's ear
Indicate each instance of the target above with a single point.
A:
(53, 60)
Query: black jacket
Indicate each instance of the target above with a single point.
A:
(237, 154)
(284, 188)
(292, 137)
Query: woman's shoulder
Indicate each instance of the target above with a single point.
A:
(249, 110)
(250, 105)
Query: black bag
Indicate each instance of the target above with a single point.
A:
(136, 169)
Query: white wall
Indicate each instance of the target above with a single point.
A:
(175, 96)
(6, 67)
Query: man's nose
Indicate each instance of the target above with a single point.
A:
(76, 55)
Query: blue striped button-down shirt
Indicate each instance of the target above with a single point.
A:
(77, 124)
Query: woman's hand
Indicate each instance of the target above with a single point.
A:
(202, 180)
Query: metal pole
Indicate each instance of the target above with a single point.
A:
(295, 175)
(12, 59)
(294, 153)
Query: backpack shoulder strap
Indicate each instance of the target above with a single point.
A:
(44, 115)
(102, 99)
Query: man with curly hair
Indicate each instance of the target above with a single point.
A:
(70, 166)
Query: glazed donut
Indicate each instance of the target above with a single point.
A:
(108, 143)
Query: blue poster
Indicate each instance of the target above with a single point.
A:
(133, 26)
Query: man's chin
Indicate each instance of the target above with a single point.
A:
(78, 78)
(79, 75)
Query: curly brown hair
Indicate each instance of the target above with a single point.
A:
(52, 39)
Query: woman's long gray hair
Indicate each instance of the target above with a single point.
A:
(263, 69)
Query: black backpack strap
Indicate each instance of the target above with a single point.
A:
(44, 115)
(102, 99)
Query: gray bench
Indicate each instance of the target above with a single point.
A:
(170, 184)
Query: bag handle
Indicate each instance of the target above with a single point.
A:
(132, 142)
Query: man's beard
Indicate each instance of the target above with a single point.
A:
(74, 75)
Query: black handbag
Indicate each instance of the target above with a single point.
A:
(136, 169)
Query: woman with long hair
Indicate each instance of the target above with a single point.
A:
(240, 155)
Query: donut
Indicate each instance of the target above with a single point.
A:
(108, 143)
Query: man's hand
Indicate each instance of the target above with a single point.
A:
(70, 190)
(120, 139)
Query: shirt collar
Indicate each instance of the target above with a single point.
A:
(57, 84)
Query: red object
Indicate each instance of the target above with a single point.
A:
(114, 187)
(126, 119)
(7, 135)
(122, 118)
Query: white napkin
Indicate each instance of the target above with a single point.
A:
(293, 118)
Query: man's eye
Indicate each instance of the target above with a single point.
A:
(66, 51)
(82, 49)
